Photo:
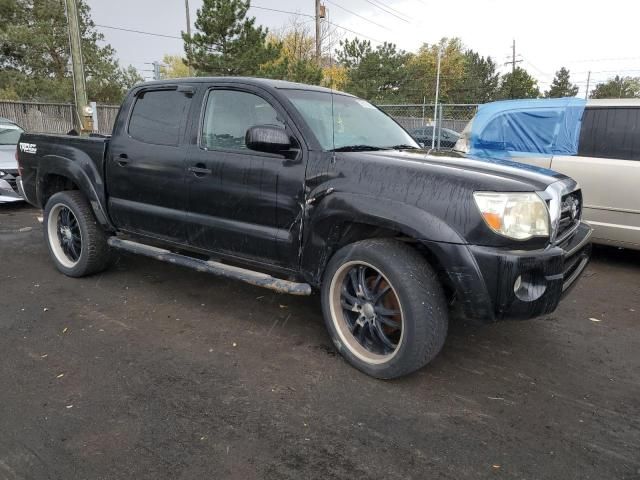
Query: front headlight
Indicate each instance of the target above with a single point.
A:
(520, 216)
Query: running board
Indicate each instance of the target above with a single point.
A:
(227, 271)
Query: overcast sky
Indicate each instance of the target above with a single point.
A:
(602, 37)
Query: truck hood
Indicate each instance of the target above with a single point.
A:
(504, 174)
(440, 186)
(8, 157)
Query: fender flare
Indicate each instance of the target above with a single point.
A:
(326, 223)
(83, 173)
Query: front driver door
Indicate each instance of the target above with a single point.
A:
(241, 202)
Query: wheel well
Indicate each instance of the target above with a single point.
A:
(52, 184)
(355, 232)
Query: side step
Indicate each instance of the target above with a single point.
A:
(228, 271)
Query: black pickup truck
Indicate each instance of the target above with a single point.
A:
(300, 188)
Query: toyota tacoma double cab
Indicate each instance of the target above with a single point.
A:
(300, 189)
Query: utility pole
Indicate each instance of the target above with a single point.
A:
(318, 34)
(186, 6)
(586, 95)
(513, 64)
(156, 70)
(83, 110)
(435, 107)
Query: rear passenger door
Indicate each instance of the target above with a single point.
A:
(244, 203)
(608, 169)
(145, 168)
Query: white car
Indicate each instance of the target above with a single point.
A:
(607, 167)
(9, 136)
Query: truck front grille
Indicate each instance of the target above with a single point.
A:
(570, 213)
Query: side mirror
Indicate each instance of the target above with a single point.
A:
(267, 138)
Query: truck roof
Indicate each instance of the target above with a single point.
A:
(261, 82)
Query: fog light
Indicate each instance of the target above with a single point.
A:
(518, 284)
(530, 286)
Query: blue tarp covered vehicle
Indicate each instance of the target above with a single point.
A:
(536, 127)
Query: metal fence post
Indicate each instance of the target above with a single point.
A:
(439, 124)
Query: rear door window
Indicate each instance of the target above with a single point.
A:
(158, 116)
(610, 133)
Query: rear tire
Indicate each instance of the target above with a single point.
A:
(77, 244)
(384, 307)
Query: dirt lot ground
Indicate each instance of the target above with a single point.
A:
(150, 371)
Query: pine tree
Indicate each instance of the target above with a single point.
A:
(480, 81)
(518, 84)
(227, 42)
(562, 86)
(34, 54)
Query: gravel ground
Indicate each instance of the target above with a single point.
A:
(150, 371)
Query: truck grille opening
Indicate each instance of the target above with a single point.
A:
(570, 213)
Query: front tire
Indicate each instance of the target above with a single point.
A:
(384, 307)
(77, 244)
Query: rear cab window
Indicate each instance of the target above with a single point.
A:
(158, 116)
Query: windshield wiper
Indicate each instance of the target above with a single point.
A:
(358, 148)
(404, 147)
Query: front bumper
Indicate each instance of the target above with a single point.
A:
(494, 284)
(9, 191)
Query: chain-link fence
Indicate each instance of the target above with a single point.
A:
(58, 117)
(421, 120)
(38, 117)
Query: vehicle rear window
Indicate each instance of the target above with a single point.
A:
(610, 133)
(9, 133)
(158, 116)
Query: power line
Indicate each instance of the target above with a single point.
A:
(153, 34)
(354, 32)
(282, 11)
(356, 14)
(392, 9)
(611, 59)
(138, 31)
(288, 12)
(387, 11)
(537, 69)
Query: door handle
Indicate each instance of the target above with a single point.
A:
(200, 170)
(123, 159)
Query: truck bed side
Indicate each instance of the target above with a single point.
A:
(50, 163)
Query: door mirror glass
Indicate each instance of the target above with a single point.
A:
(267, 138)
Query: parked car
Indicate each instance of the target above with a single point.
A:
(9, 135)
(424, 136)
(289, 187)
(607, 167)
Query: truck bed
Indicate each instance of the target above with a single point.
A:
(37, 154)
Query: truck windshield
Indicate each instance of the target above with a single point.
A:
(341, 122)
(9, 133)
